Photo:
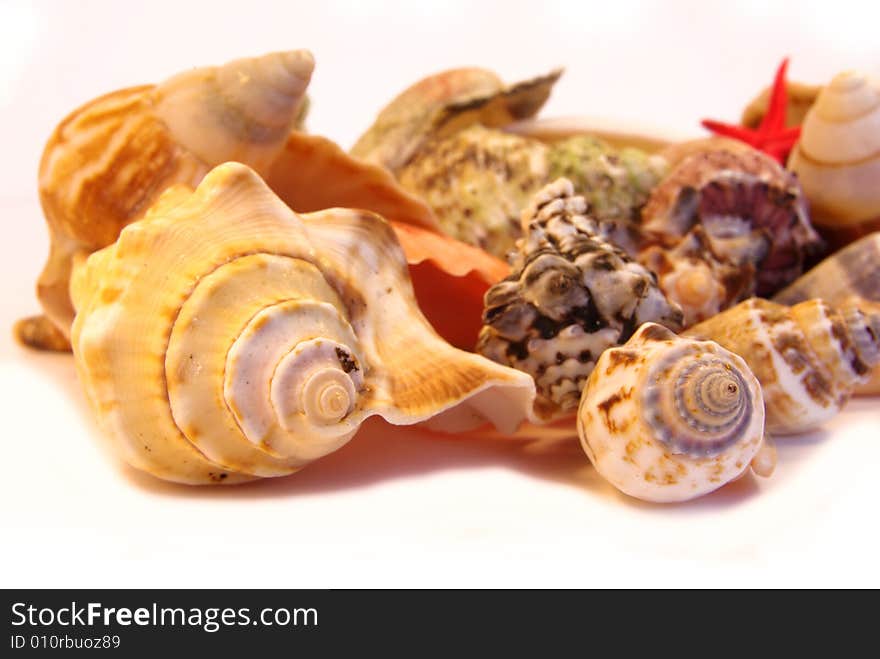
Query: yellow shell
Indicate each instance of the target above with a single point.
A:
(224, 338)
(665, 418)
(109, 160)
(837, 158)
(809, 358)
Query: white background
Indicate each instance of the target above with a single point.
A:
(402, 508)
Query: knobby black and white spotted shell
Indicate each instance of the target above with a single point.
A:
(572, 294)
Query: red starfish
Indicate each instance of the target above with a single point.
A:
(771, 136)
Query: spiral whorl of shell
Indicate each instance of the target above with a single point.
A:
(570, 296)
(668, 419)
(837, 158)
(224, 337)
(108, 161)
(808, 357)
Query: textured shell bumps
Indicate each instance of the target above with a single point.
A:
(570, 296)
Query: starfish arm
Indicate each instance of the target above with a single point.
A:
(774, 119)
(727, 130)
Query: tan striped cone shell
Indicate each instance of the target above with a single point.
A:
(809, 358)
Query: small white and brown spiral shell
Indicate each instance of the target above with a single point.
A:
(224, 338)
(665, 419)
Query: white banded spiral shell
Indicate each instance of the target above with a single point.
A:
(837, 158)
(224, 338)
(809, 358)
(664, 418)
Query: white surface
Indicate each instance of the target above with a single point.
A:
(399, 508)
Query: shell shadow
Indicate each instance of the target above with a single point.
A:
(381, 452)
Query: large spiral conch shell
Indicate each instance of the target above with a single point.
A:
(837, 158)
(664, 418)
(808, 357)
(109, 160)
(224, 338)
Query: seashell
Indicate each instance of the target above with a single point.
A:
(808, 357)
(692, 276)
(110, 159)
(849, 276)
(853, 271)
(571, 295)
(651, 139)
(753, 219)
(665, 418)
(477, 181)
(312, 173)
(837, 158)
(871, 387)
(450, 278)
(443, 104)
(615, 181)
(801, 97)
(225, 338)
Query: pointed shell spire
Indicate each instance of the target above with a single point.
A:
(838, 156)
(107, 162)
(240, 111)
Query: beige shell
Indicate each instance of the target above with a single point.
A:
(853, 271)
(801, 97)
(444, 103)
(837, 158)
(107, 162)
(225, 338)
(665, 419)
(808, 357)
